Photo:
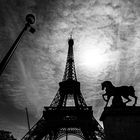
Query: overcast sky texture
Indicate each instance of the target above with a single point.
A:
(108, 29)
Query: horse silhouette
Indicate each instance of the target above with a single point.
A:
(123, 91)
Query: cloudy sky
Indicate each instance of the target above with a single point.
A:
(107, 47)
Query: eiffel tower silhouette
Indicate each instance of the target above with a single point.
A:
(68, 113)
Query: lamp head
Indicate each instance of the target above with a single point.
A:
(30, 18)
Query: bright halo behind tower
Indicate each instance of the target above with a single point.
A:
(92, 56)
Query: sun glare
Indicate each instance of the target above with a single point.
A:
(91, 55)
(92, 58)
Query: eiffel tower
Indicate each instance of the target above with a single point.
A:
(68, 113)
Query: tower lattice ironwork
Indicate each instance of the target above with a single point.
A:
(68, 113)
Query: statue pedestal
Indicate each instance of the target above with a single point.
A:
(121, 123)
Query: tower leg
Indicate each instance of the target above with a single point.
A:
(66, 134)
(85, 134)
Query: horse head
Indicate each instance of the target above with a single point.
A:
(106, 84)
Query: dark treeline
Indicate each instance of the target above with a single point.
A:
(6, 135)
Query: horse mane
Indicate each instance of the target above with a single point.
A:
(108, 83)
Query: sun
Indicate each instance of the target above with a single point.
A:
(92, 56)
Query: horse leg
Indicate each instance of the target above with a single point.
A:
(128, 100)
(135, 100)
(104, 97)
(107, 101)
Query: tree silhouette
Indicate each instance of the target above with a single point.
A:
(6, 135)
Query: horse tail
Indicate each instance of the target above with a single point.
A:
(131, 90)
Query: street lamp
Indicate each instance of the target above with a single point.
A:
(30, 19)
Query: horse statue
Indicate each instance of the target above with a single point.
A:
(123, 91)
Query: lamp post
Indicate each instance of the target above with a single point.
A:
(30, 19)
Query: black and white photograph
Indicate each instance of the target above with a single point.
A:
(69, 69)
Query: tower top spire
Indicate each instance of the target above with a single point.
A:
(70, 73)
(71, 41)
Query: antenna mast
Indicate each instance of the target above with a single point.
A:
(27, 115)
